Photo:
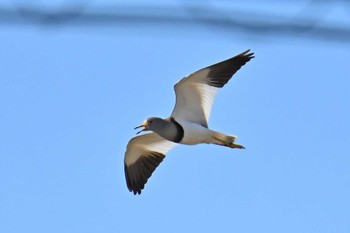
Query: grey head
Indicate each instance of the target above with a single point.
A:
(168, 129)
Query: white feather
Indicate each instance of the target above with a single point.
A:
(140, 145)
(194, 98)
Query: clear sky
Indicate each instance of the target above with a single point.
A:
(71, 96)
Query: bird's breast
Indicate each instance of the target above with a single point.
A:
(194, 133)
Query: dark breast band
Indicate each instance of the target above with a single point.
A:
(179, 132)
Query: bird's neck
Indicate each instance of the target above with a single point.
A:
(171, 130)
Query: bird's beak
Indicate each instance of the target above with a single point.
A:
(142, 125)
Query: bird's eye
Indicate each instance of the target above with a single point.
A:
(150, 121)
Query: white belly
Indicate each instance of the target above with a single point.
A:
(194, 133)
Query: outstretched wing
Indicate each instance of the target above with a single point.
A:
(143, 155)
(195, 93)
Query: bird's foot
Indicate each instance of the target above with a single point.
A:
(237, 146)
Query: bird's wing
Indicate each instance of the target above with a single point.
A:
(195, 93)
(143, 155)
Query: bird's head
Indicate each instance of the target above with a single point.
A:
(150, 123)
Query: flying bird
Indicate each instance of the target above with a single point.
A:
(187, 124)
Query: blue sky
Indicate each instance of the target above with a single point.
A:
(70, 98)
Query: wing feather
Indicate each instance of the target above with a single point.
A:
(143, 155)
(195, 93)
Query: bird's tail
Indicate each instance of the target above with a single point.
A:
(225, 140)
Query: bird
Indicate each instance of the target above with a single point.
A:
(187, 124)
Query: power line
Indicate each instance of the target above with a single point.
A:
(187, 16)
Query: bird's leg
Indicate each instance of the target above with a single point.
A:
(232, 145)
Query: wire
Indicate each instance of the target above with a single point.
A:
(188, 16)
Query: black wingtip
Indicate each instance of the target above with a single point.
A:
(136, 192)
(221, 72)
(138, 173)
(247, 54)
